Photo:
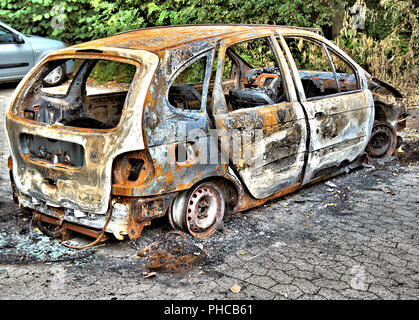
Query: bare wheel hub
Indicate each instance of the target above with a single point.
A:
(202, 208)
(383, 140)
(199, 210)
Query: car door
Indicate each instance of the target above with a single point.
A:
(339, 106)
(263, 139)
(16, 59)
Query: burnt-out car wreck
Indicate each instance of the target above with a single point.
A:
(212, 119)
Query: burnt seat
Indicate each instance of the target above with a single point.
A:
(184, 96)
(251, 97)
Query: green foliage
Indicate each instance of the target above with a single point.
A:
(257, 53)
(308, 55)
(389, 53)
(45, 17)
(84, 20)
(316, 13)
(387, 47)
(194, 73)
(107, 71)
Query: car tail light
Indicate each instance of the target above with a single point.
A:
(132, 168)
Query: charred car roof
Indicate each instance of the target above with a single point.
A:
(159, 39)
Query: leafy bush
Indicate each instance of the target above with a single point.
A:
(394, 58)
(107, 71)
(83, 20)
(45, 17)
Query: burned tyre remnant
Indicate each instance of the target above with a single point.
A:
(50, 230)
(261, 112)
(198, 210)
(383, 140)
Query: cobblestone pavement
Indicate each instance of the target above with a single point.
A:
(353, 237)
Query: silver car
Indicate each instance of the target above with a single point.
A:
(19, 53)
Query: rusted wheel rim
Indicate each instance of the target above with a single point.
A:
(383, 140)
(204, 209)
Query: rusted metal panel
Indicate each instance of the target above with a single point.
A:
(87, 188)
(388, 104)
(266, 144)
(340, 127)
(269, 147)
(340, 124)
(166, 38)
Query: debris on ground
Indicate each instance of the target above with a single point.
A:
(236, 288)
(330, 184)
(171, 256)
(200, 246)
(175, 260)
(36, 247)
(143, 252)
(149, 274)
(408, 152)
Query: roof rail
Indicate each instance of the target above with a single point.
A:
(221, 25)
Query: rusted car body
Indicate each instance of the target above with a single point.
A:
(157, 158)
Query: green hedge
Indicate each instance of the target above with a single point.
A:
(92, 19)
(83, 20)
(391, 33)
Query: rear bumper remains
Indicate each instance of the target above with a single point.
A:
(129, 215)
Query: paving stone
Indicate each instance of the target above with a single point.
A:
(382, 292)
(264, 282)
(288, 291)
(280, 276)
(306, 286)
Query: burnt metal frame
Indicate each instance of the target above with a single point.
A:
(245, 201)
(209, 54)
(296, 75)
(221, 106)
(332, 66)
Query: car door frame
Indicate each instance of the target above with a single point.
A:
(18, 68)
(259, 178)
(356, 116)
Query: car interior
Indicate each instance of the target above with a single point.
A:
(321, 71)
(248, 80)
(87, 100)
(256, 77)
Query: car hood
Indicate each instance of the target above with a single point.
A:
(45, 42)
(42, 46)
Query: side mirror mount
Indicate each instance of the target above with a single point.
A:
(19, 39)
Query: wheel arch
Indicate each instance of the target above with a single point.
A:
(230, 185)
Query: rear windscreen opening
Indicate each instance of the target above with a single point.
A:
(91, 93)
